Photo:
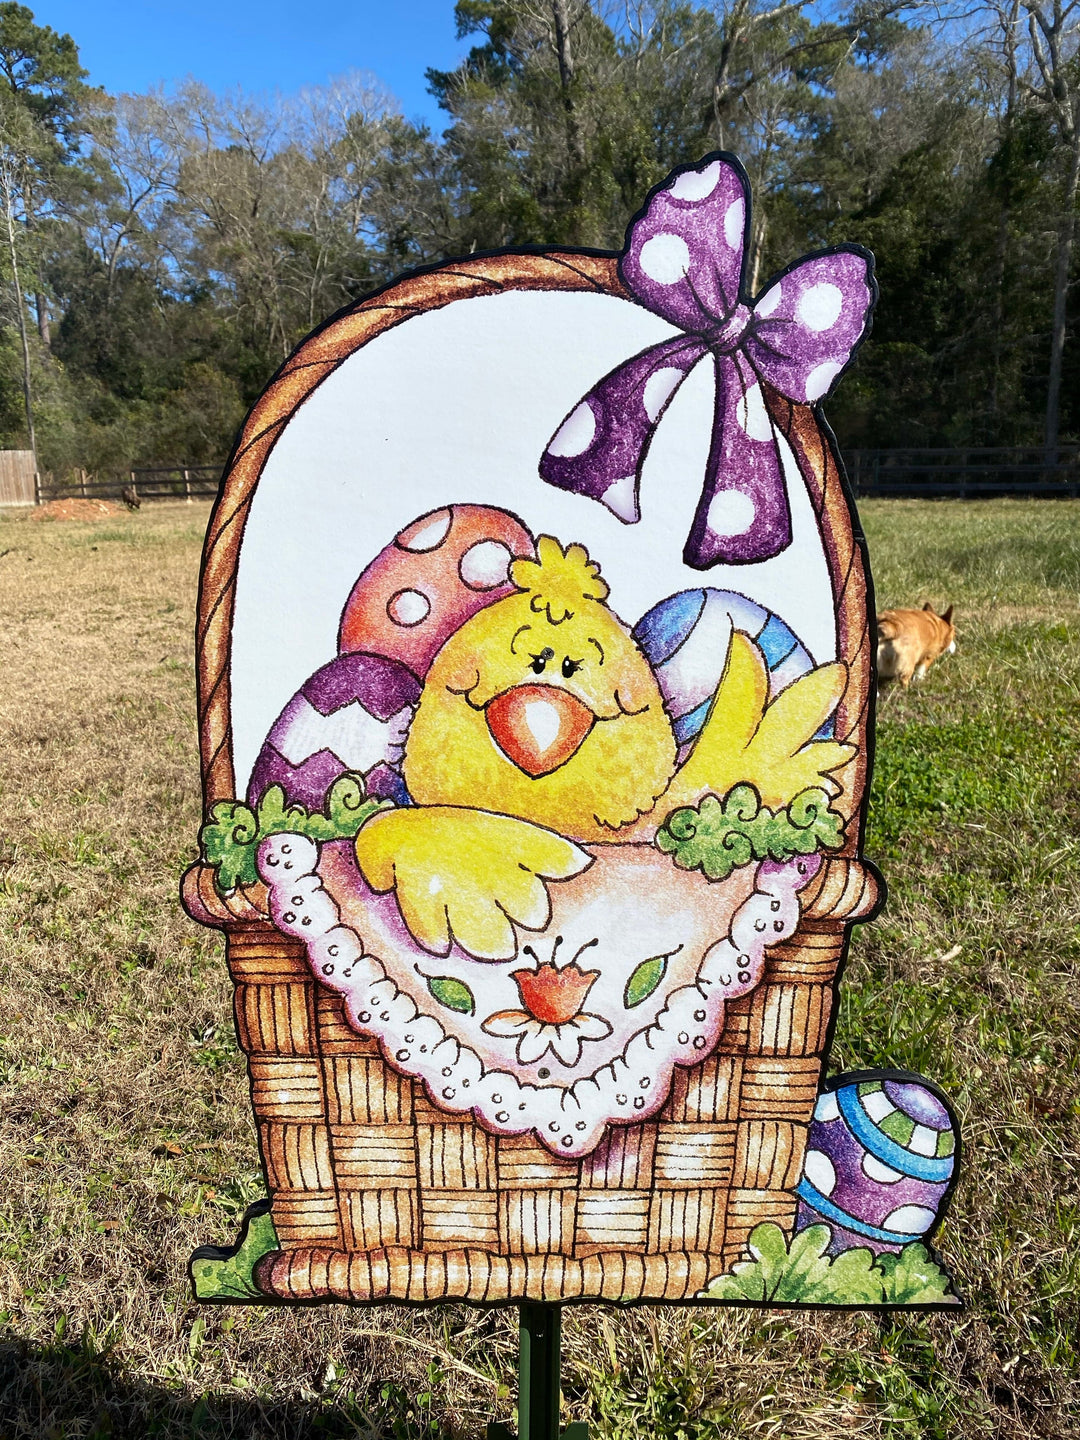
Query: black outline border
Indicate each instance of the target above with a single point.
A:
(564, 255)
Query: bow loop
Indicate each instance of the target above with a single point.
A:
(684, 260)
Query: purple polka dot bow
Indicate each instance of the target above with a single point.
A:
(684, 260)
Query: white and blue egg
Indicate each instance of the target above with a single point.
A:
(686, 638)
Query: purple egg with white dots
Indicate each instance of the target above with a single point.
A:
(353, 714)
(879, 1164)
(685, 639)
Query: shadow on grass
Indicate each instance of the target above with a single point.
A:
(73, 1391)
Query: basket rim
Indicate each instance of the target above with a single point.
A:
(331, 345)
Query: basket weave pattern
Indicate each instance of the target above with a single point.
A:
(377, 1194)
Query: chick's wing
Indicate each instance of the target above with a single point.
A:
(464, 875)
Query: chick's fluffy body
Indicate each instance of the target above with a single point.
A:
(625, 762)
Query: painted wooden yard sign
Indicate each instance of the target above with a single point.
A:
(535, 702)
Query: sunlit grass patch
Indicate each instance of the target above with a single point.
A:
(971, 975)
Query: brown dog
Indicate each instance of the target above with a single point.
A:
(909, 641)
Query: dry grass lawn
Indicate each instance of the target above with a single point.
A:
(125, 1131)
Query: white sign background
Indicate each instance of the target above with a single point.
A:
(456, 406)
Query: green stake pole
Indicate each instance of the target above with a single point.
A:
(539, 1358)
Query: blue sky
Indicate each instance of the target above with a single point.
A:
(261, 44)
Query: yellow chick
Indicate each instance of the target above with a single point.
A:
(541, 724)
(542, 706)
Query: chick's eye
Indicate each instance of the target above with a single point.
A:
(570, 667)
(539, 662)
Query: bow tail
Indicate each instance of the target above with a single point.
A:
(600, 447)
(743, 514)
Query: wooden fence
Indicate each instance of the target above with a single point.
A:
(932, 474)
(173, 482)
(17, 477)
(965, 474)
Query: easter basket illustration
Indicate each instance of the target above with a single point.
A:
(508, 1040)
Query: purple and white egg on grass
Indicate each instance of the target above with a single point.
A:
(352, 714)
(880, 1162)
(685, 639)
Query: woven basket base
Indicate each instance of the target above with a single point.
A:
(477, 1276)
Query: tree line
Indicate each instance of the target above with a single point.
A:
(162, 253)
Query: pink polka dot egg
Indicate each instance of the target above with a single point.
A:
(436, 574)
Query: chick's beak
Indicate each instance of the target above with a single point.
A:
(538, 727)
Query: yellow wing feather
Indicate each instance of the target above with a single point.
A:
(464, 874)
(769, 746)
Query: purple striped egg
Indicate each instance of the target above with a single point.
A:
(879, 1164)
(353, 714)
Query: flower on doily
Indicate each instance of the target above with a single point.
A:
(552, 1018)
(535, 1038)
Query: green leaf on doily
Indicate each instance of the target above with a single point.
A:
(219, 1274)
(454, 994)
(644, 980)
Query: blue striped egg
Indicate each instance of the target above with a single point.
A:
(685, 639)
(879, 1163)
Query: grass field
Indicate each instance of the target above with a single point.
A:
(125, 1131)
